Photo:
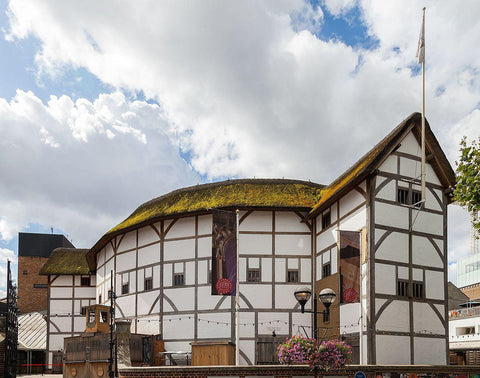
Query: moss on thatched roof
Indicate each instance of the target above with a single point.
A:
(66, 261)
(251, 193)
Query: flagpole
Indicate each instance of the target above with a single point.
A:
(237, 299)
(423, 109)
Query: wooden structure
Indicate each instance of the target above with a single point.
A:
(98, 319)
(210, 353)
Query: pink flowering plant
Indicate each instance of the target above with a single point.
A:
(329, 355)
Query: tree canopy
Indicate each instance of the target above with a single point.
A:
(467, 190)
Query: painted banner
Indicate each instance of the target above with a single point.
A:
(350, 266)
(224, 252)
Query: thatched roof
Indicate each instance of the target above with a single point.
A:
(372, 160)
(242, 194)
(66, 261)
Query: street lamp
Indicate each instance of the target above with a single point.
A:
(327, 297)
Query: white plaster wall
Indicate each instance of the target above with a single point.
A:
(389, 191)
(183, 227)
(409, 145)
(62, 281)
(409, 167)
(189, 273)
(61, 292)
(257, 221)
(394, 248)
(146, 300)
(178, 326)
(430, 175)
(260, 296)
(147, 235)
(179, 250)
(129, 241)
(247, 347)
(389, 165)
(287, 221)
(269, 322)
(355, 221)
(349, 201)
(306, 270)
(429, 351)
(212, 329)
(428, 222)
(64, 323)
(424, 253)
(205, 225)
(434, 285)
(148, 255)
(327, 239)
(266, 270)
(85, 292)
(385, 279)
(431, 202)
(79, 324)
(183, 297)
(207, 301)
(292, 244)
(56, 342)
(204, 247)
(349, 318)
(391, 215)
(425, 320)
(280, 270)
(393, 350)
(395, 317)
(284, 297)
(247, 324)
(255, 244)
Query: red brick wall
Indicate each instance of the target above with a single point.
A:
(29, 298)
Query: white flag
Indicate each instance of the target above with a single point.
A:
(421, 43)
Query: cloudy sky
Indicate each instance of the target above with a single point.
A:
(105, 105)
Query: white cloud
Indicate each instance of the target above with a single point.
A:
(243, 89)
(85, 182)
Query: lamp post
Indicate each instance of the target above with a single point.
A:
(327, 297)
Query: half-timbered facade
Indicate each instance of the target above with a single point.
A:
(71, 289)
(161, 258)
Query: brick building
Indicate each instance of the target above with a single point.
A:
(33, 251)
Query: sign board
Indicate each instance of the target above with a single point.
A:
(360, 374)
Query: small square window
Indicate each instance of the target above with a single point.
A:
(148, 284)
(416, 198)
(85, 281)
(100, 299)
(417, 289)
(325, 220)
(402, 196)
(253, 275)
(326, 270)
(292, 275)
(125, 288)
(83, 311)
(178, 279)
(40, 286)
(25, 272)
(402, 288)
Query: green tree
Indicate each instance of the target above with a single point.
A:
(467, 190)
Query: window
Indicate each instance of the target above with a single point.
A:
(416, 198)
(103, 316)
(25, 272)
(83, 311)
(403, 197)
(178, 279)
(85, 281)
(109, 294)
(402, 288)
(125, 288)
(91, 316)
(417, 289)
(148, 283)
(40, 286)
(325, 220)
(253, 275)
(292, 275)
(100, 298)
(326, 271)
